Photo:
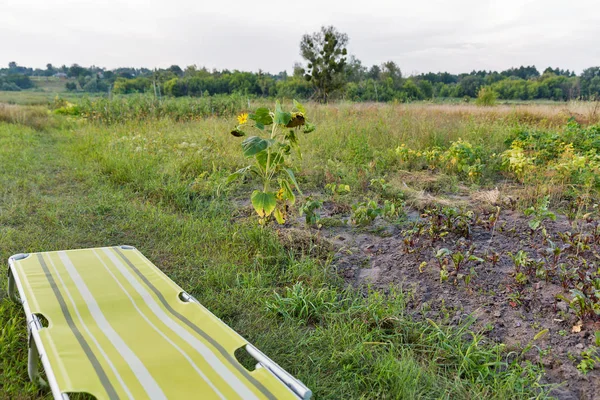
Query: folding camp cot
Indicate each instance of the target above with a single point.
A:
(109, 323)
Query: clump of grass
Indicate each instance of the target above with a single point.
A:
(371, 345)
(37, 117)
(486, 97)
(303, 303)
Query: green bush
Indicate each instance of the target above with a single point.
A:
(486, 97)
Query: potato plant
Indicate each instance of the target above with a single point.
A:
(271, 152)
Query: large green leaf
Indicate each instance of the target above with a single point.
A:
(261, 157)
(299, 107)
(281, 117)
(238, 174)
(288, 193)
(262, 117)
(293, 179)
(308, 127)
(279, 216)
(254, 144)
(264, 202)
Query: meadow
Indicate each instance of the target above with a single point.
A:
(475, 203)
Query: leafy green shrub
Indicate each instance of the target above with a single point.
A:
(589, 358)
(486, 97)
(517, 161)
(309, 210)
(364, 213)
(64, 107)
(570, 156)
(539, 213)
(464, 158)
(337, 189)
(461, 157)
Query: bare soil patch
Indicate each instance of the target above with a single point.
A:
(516, 314)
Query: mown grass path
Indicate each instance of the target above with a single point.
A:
(54, 194)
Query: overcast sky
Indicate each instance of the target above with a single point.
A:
(420, 36)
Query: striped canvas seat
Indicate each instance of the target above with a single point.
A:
(118, 328)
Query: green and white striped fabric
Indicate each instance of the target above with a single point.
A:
(121, 329)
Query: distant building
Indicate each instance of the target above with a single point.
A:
(60, 75)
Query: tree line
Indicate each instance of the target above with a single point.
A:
(327, 73)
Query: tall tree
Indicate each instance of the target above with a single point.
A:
(374, 72)
(355, 71)
(391, 70)
(176, 69)
(590, 83)
(325, 52)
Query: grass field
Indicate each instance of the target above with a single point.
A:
(160, 185)
(44, 92)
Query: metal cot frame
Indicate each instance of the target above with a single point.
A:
(36, 351)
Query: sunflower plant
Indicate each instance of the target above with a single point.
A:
(271, 151)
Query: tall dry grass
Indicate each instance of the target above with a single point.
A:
(36, 117)
(543, 114)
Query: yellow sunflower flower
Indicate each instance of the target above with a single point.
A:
(242, 118)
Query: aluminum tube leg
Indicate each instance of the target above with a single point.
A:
(12, 287)
(33, 357)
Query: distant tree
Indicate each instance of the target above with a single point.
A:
(590, 83)
(176, 70)
(175, 87)
(493, 77)
(391, 70)
(521, 72)
(355, 71)
(137, 85)
(190, 70)
(374, 72)
(49, 70)
(325, 52)
(298, 70)
(71, 86)
(109, 75)
(76, 70)
(447, 78)
(22, 81)
(426, 89)
(411, 90)
(95, 85)
(9, 86)
(125, 72)
(13, 68)
(83, 80)
(470, 85)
